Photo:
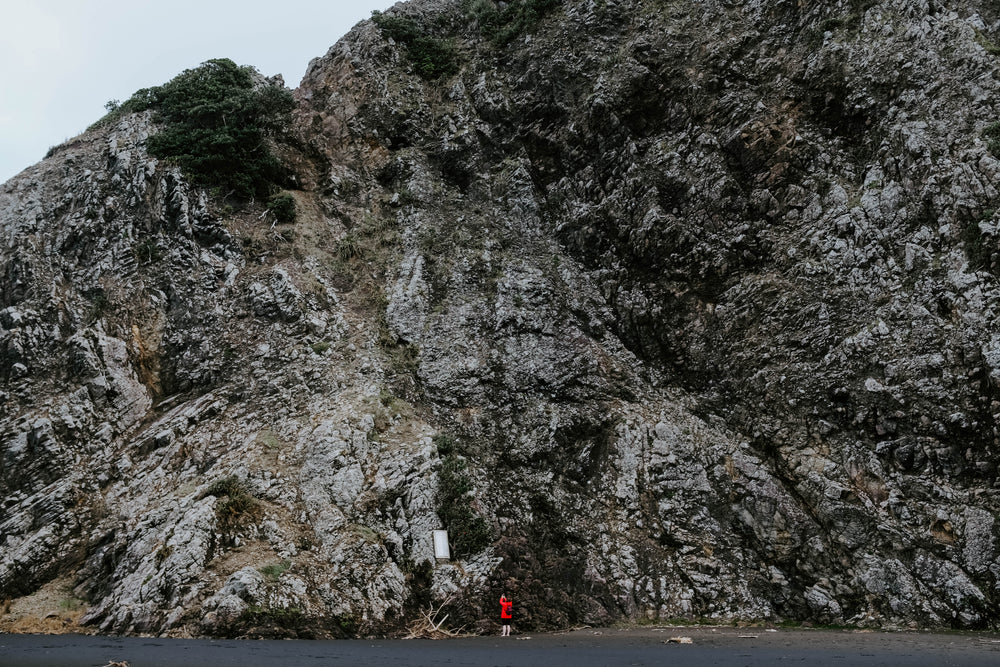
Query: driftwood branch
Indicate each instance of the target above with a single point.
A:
(430, 627)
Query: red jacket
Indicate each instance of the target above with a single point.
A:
(505, 606)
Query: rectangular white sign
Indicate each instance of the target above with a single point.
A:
(441, 549)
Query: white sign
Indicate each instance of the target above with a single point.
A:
(441, 549)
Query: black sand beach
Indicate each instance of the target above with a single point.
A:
(579, 648)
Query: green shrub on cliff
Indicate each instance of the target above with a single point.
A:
(432, 57)
(501, 23)
(992, 135)
(217, 122)
(236, 507)
(283, 207)
(468, 532)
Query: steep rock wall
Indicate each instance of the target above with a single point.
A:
(662, 309)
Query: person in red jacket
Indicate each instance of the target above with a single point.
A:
(506, 615)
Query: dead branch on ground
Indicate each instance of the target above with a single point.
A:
(429, 627)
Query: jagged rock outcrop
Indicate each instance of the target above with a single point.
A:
(663, 310)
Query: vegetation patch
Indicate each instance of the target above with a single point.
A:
(266, 622)
(346, 625)
(987, 44)
(98, 306)
(992, 136)
(370, 240)
(52, 609)
(163, 553)
(431, 57)
(467, 531)
(981, 249)
(148, 251)
(218, 122)
(420, 581)
(502, 22)
(274, 622)
(270, 439)
(282, 205)
(274, 571)
(236, 507)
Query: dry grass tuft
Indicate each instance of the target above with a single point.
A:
(50, 625)
(51, 610)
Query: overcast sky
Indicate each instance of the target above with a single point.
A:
(61, 60)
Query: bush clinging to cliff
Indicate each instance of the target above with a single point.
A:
(217, 121)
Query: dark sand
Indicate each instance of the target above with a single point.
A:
(579, 648)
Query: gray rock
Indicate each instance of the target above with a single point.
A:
(655, 326)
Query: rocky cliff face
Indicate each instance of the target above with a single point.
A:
(662, 309)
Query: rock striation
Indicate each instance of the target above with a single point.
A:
(664, 310)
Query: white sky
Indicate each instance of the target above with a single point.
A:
(61, 60)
